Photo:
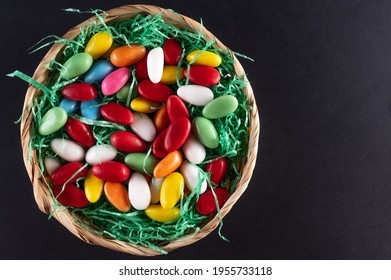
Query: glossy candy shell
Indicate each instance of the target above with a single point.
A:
(155, 92)
(93, 187)
(111, 171)
(80, 132)
(79, 92)
(171, 190)
(67, 149)
(115, 81)
(161, 119)
(220, 107)
(206, 58)
(99, 44)
(127, 55)
(205, 131)
(155, 64)
(203, 75)
(100, 153)
(117, 113)
(127, 142)
(76, 65)
(168, 164)
(70, 196)
(52, 121)
(206, 204)
(143, 127)
(139, 193)
(98, 72)
(63, 174)
(158, 145)
(195, 94)
(141, 162)
(217, 170)
(159, 214)
(176, 108)
(90, 109)
(172, 51)
(177, 134)
(117, 195)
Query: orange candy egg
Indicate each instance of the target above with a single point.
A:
(127, 55)
(161, 119)
(117, 195)
(168, 164)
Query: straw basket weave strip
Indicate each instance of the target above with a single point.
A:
(40, 183)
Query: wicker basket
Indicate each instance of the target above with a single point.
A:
(40, 185)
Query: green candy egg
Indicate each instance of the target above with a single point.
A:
(76, 65)
(205, 131)
(122, 94)
(136, 161)
(53, 120)
(220, 107)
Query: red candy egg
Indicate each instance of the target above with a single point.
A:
(111, 171)
(217, 170)
(177, 134)
(141, 68)
(206, 203)
(127, 142)
(176, 108)
(172, 51)
(62, 174)
(203, 75)
(79, 92)
(155, 92)
(158, 149)
(70, 196)
(117, 113)
(80, 132)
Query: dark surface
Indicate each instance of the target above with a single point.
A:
(321, 76)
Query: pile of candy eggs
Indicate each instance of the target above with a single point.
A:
(161, 146)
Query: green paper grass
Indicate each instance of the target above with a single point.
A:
(151, 31)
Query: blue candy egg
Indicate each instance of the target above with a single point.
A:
(90, 109)
(98, 72)
(70, 106)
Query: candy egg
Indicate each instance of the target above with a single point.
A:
(159, 214)
(168, 164)
(161, 119)
(99, 44)
(171, 190)
(176, 108)
(123, 93)
(193, 149)
(115, 80)
(90, 109)
(155, 63)
(80, 132)
(100, 153)
(143, 127)
(127, 55)
(206, 58)
(155, 187)
(142, 105)
(70, 106)
(158, 145)
(206, 203)
(195, 94)
(68, 173)
(79, 92)
(93, 187)
(171, 74)
(76, 65)
(205, 131)
(220, 107)
(111, 171)
(217, 170)
(98, 72)
(51, 164)
(172, 51)
(193, 177)
(67, 149)
(127, 142)
(141, 162)
(139, 193)
(155, 92)
(177, 134)
(203, 75)
(116, 113)
(141, 68)
(70, 195)
(117, 195)
(52, 121)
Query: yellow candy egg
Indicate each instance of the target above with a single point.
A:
(206, 58)
(99, 44)
(170, 74)
(171, 190)
(159, 214)
(142, 105)
(93, 187)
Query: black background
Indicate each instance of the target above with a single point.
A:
(321, 76)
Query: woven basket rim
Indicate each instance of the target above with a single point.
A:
(40, 185)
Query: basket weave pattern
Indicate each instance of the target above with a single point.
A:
(40, 183)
